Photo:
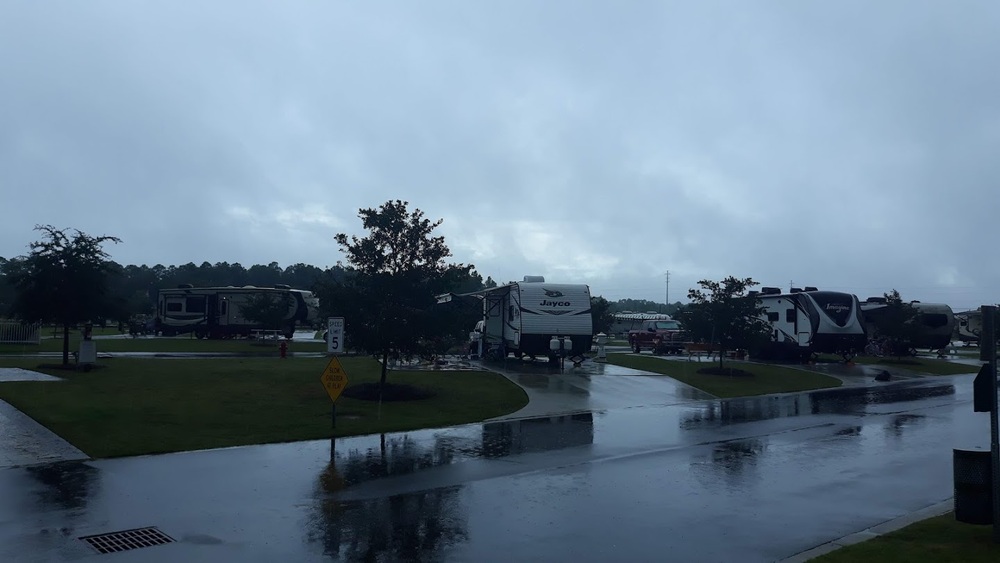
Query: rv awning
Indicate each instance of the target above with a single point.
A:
(449, 297)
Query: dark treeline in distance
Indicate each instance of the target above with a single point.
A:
(134, 288)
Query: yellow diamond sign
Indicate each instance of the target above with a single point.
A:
(334, 378)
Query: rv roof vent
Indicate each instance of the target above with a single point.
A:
(534, 279)
(249, 287)
(809, 288)
(796, 290)
(770, 291)
(753, 293)
(282, 286)
(184, 286)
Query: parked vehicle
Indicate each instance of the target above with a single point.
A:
(521, 318)
(660, 336)
(216, 312)
(627, 321)
(935, 321)
(808, 321)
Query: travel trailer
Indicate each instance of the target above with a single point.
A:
(521, 318)
(936, 322)
(625, 321)
(808, 321)
(216, 312)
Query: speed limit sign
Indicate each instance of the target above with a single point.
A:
(335, 335)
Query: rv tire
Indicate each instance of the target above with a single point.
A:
(636, 348)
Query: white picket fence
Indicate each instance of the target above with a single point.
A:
(14, 332)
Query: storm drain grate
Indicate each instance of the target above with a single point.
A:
(127, 539)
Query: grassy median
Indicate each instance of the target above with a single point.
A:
(132, 406)
(939, 539)
(766, 379)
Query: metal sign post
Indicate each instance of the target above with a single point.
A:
(988, 353)
(334, 380)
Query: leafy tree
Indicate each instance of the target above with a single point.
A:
(387, 295)
(896, 323)
(724, 314)
(63, 280)
(267, 310)
(600, 312)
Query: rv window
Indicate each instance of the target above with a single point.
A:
(789, 315)
(173, 307)
(195, 305)
(772, 317)
(224, 302)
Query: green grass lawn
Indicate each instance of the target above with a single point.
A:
(175, 344)
(938, 540)
(766, 378)
(137, 406)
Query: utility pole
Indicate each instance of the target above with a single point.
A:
(666, 295)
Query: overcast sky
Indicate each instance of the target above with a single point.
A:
(847, 145)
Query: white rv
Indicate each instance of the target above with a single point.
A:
(521, 318)
(216, 312)
(804, 322)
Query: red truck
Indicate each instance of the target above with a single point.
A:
(662, 337)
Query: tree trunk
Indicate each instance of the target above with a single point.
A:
(722, 354)
(65, 344)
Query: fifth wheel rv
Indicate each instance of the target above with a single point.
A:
(216, 312)
(808, 321)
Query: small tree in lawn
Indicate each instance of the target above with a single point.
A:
(393, 276)
(267, 310)
(600, 312)
(63, 280)
(896, 323)
(724, 314)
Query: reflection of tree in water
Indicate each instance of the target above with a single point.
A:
(412, 527)
(833, 401)
(735, 411)
(398, 455)
(900, 421)
(68, 484)
(852, 400)
(417, 526)
(501, 439)
(734, 457)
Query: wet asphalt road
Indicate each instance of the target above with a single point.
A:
(697, 480)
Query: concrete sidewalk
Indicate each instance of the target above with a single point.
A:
(24, 441)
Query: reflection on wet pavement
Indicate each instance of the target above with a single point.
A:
(753, 479)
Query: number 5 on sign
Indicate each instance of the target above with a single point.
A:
(335, 335)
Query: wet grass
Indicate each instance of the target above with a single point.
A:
(939, 539)
(158, 345)
(765, 378)
(135, 406)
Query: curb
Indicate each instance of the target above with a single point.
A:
(938, 509)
